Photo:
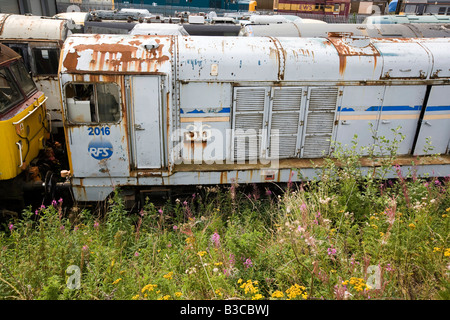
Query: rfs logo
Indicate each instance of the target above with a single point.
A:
(99, 149)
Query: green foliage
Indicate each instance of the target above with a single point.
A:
(321, 240)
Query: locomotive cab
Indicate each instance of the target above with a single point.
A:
(23, 123)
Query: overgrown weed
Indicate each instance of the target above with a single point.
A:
(352, 234)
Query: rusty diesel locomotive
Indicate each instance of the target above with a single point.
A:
(146, 112)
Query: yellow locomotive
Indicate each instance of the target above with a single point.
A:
(23, 119)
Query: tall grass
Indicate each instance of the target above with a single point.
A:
(349, 235)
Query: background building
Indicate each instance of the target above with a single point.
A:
(35, 7)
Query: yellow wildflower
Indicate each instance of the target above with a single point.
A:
(135, 297)
(257, 296)
(436, 249)
(117, 281)
(447, 252)
(277, 294)
(190, 240)
(168, 276)
(166, 297)
(178, 294)
(218, 292)
(201, 253)
(412, 226)
(358, 284)
(295, 291)
(249, 287)
(444, 215)
(149, 288)
(448, 209)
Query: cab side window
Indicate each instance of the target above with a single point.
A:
(46, 61)
(10, 94)
(93, 102)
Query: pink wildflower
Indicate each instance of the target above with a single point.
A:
(331, 251)
(215, 238)
(248, 263)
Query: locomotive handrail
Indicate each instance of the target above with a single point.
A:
(19, 144)
(30, 112)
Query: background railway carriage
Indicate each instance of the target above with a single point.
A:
(38, 40)
(305, 30)
(142, 112)
(328, 7)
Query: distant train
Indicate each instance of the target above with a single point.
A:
(24, 128)
(405, 19)
(412, 30)
(328, 7)
(149, 112)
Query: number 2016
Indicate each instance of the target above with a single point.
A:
(104, 131)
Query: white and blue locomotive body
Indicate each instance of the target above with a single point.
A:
(145, 111)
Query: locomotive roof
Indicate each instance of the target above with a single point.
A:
(15, 26)
(256, 58)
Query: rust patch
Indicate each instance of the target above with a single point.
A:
(223, 177)
(71, 61)
(281, 57)
(348, 45)
(342, 64)
(117, 57)
(354, 46)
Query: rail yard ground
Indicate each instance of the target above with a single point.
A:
(347, 236)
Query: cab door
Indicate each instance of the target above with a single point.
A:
(146, 121)
(96, 130)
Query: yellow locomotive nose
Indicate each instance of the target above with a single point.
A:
(24, 135)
